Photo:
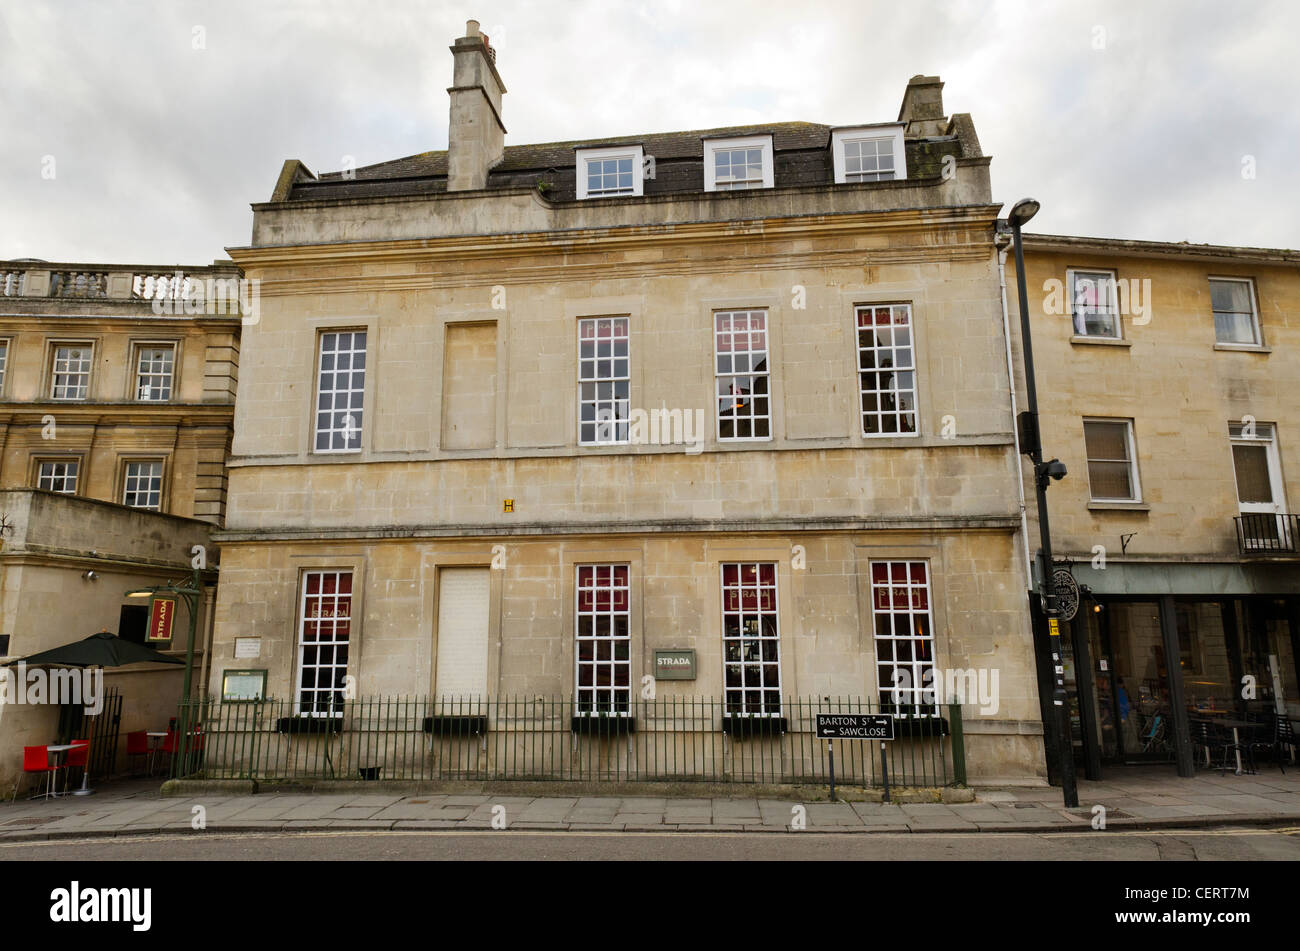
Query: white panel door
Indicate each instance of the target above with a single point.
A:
(463, 601)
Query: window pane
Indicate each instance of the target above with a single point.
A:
(341, 394)
(740, 355)
(751, 639)
(604, 384)
(884, 342)
(1110, 469)
(900, 603)
(604, 665)
(1095, 305)
(1253, 483)
(1234, 312)
(323, 632)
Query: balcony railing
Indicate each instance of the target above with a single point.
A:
(1263, 533)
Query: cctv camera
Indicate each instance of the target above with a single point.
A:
(1056, 469)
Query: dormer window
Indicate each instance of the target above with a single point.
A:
(607, 173)
(736, 164)
(869, 154)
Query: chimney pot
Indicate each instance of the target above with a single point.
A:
(471, 27)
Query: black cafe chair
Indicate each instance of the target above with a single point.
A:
(1207, 740)
(1280, 742)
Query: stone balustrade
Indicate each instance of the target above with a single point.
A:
(40, 279)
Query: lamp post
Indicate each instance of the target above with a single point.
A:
(1044, 473)
(191, 593)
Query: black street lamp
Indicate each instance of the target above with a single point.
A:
(1044, 473)
(191, 593)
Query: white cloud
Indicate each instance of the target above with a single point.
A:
(160, 148)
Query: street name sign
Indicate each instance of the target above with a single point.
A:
(855, 726)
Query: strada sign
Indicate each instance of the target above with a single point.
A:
(854, 726)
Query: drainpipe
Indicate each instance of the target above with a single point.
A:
(1002, 242)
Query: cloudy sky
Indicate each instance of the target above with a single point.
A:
(138, 132)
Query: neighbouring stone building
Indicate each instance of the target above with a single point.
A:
(117, 391)
(514, 418)
(1167, 385)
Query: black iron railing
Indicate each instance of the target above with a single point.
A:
(1264, 533)
(687, 739)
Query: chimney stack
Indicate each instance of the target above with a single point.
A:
(476, 137)
(922, 107)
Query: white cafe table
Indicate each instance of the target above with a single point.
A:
(61, 752)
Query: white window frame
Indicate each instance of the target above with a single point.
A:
(74, 463)
(4, 361)
(55, 374)
(1082, 331)
(1132, 458)
(127, 477)
(140, 348)
(1254, 311)
(733, 375)
(713, 146)
(634, 152)
(888, 696)
(892, 131)
(760, 639)
(301, 665)
(594, 706)
(615, 426)
(913, 390)
(354, 435)
(1266, 436)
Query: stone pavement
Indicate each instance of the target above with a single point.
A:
(1134, 798)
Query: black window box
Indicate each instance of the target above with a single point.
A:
(301, 724)
(743, 727)
(603, 725)
(454, 726)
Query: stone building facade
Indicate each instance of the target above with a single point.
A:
(116, 385)
(1166, 381)
(514, 418)
(117, 392)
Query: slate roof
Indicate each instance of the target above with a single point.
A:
(802, 156)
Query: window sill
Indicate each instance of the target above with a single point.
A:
(1100, 341)
(1243, 347)
(1119, 507)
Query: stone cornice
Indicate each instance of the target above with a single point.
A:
(627, 238)
(944, 523)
